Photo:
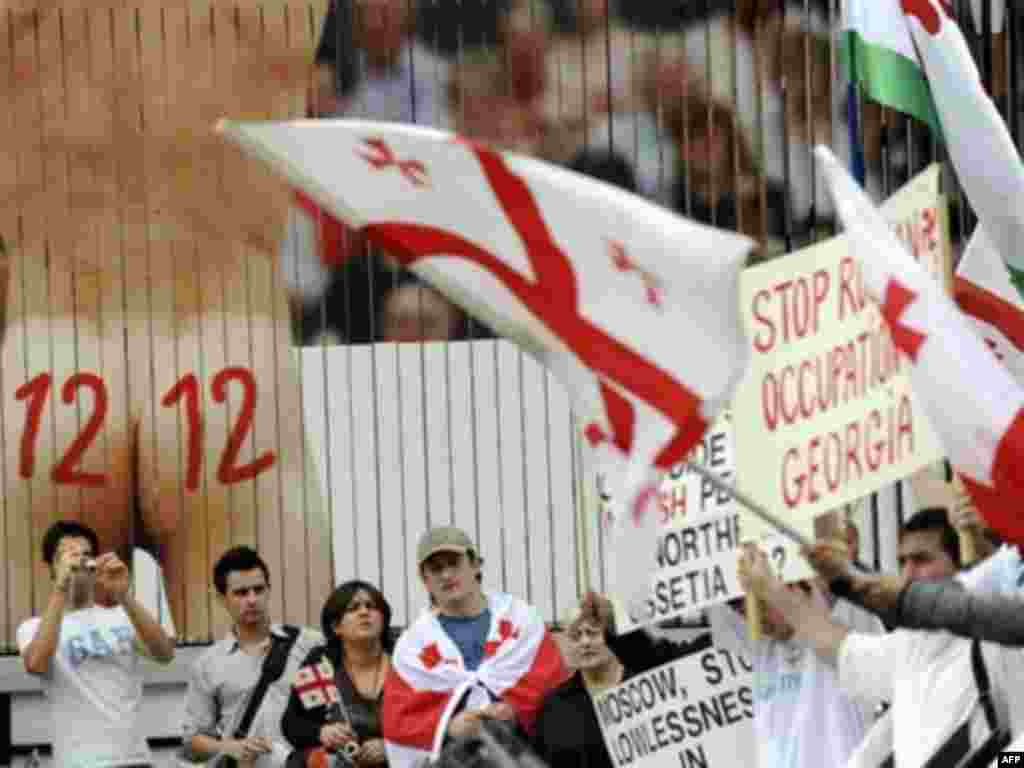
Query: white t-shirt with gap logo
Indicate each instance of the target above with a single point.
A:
(802, 716)
(94, 686)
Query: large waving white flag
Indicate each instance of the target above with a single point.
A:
(989, 277)
(633, 308)
(973, 402)
(981, 148)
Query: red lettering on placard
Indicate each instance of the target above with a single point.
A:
(188, 387)
(796, 306)
(851, 288)
(65, 473)
(673, 504)
(35, 391)
(227, 472)
(825, 464)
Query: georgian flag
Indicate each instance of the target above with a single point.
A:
(633, 308)
(983, 153)
(983, 290)
(975, 405)
(315, 685)
(428, 679)
(992, 175)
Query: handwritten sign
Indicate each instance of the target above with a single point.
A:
(698, 711)
(684, 492)
(701, 530)
(826, 414)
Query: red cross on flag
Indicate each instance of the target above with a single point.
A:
(983, 290)
(975, 405)
(633, 308)
(315, 686)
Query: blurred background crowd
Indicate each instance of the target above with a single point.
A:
(710, 107)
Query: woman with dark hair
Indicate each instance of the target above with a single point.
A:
(336, 697)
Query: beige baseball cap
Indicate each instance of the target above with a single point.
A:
(445, 538)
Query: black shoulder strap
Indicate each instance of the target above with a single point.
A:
(273, 668)
(958, 749)
(984, 686)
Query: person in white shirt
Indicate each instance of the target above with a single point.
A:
(926, 676)
(802, 716)
(86, 649)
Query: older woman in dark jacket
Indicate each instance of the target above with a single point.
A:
(567, 733)
(335, 700)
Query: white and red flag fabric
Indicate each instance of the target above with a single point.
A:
(980, 146)
(315, 685)
(429, 681)
(983, 290)
(991, 172)
(972, 401)
(634, 309)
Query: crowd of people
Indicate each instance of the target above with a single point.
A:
(851, 669)
(912, 669)
(684, 113)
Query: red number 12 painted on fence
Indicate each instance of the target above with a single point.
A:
(37, 391)
(227, 471)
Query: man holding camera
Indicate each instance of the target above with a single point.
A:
(86, 649)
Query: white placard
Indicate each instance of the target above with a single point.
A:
(698, 711)
(701, 530)
(826, 414)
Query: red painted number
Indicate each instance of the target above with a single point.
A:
(36, 391)
(188, 387)
(65, 472)
(228, 473)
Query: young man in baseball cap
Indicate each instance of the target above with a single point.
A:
(475, 656)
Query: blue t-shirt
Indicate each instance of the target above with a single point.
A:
(469, 633)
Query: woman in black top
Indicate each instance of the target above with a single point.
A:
(336, 695)
(567, 732)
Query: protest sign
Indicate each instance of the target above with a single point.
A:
(701, 529)
(693, 713)
(826, 414)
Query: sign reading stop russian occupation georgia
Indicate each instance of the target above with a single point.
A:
(698, 711)
(700, 532)
(826, 413)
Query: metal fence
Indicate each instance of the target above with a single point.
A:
(154, 281)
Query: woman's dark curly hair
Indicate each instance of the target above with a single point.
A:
(337, 604)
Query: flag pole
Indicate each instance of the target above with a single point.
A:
(774, 521)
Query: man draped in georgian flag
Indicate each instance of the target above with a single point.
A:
(990, 277)
(473, 656)
(429, 684)
(975, 405)
(633, 308)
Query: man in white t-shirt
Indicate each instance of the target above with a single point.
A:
(86, 649)
(802, 716)
(927, 676)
